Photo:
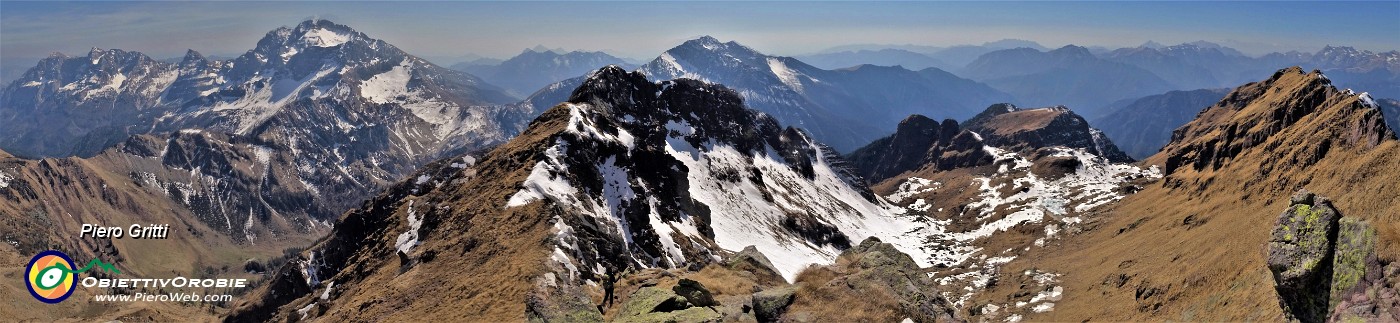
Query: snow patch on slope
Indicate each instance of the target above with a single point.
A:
(321, 37)
(740, 216)
(409, 239)
(546, 180)
(388, 86)
(785, 74)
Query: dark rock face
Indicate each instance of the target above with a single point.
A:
(919, 141)
(711, 112)
(1390, 108)
(1300, 255)
(1006, 126)
(899, 152)
(1051, 167)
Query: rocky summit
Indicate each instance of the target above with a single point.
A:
(1013, 128)
(629, 178)
(919, 142)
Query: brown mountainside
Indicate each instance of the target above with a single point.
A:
(147, 180)
(1193, 246)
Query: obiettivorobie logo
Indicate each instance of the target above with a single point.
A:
(51, 278)
(51, 275)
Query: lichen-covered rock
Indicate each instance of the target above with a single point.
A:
(1300, 255)
(1364, 288)
(752, 261)
(1356, 244)
(556, 301)
(1376, 298)
(644, 300)
(887, 283)
(694, 292)
(655, 304)
(768, 305)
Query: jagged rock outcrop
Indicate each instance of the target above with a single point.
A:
(1235, 124)
(1024, 130)
(655, 304)
(769, 305)
(919, 142)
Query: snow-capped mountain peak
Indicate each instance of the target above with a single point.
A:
(350, 112)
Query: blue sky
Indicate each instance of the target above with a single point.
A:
(644, 29)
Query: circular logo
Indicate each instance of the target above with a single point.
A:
(50, 276)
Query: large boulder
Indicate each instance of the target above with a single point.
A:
(752, 261)
(1300, 255)
(655, 304)
(770, 304)
(694, 292)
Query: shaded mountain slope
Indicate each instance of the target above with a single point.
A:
(1142, 126)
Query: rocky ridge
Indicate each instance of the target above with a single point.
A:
(1186, 247)
(629, 175)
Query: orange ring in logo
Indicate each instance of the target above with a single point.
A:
(50, 277)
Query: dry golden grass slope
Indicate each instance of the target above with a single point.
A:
(476, 261)
(1192, 247)
(42, 207)
(44, 203)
